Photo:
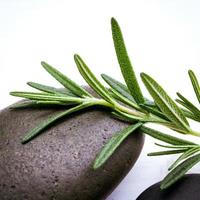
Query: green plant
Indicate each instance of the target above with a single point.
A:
(125, 102)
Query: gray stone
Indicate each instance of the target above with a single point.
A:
(57, 165)
(187, 188)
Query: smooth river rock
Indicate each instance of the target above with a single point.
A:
(57, 165)
(188, 188)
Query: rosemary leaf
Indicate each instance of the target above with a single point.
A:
(48, 97)
(175, 146)
(183, 104)
(178, 172)
(52, 119)
(125, 63)
(49, 89)
(113, 95)
(113, 144)
(164, 137)
(190, 115)
(92, 80)
(125, 100)
(38, 104)
(154, 111)
(58, 103)
(165, 103)
(65, 81)
(190, 106)
(195, 84)
(185, 155)
(161, 153)
(118, 86)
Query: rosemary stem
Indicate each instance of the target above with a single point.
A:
(119, 107)
(100, 102)
(148, 117)
(128, 110)
(195, 133)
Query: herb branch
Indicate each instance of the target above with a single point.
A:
(126, 103)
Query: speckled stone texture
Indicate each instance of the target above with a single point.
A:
(57, 165)
(188, 188)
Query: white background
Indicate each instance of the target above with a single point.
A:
(163, 39)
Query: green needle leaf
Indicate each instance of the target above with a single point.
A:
(190, 106)
(154, 111)
(118, 86)
(125, 63)
(162, 153)
(37, 130)
(92, 80)
(125, 100)
(182, 103)
(57, 103)
(175, 146)
(164, 137)
(48, 97)
(195, 84)
(179, 171)
(65, 81)
(38, 104)
(49, 89)
(165, 103)
(185, 155)
(189, 114)
(113, 144)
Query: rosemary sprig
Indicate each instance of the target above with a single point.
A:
(125, 102)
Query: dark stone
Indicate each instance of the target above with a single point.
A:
(57, 165)
(188, 188)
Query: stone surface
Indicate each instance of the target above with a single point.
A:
(57, 165)
(188, 188)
